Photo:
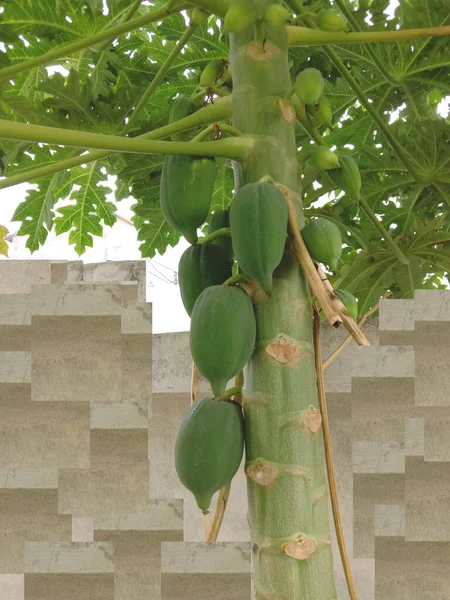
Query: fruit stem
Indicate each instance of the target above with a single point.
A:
(235, 279)
(268, 179)
(230, 392)
(224, 231)
(218, 129)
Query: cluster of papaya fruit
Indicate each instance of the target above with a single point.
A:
(250, 238)
(244, 13)
(210, 441)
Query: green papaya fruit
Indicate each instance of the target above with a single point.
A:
(325, 158)
(209, 448)
(258, 219)
(187, 186)
(349, 301)
(219, 220)
(211, 73)
(276, 15)
(322, 111)
(347, 176)
(364, 4)
(223, 333)
(328, 20)
(323, 240)
(240, 15)
(309, 85)
(200, 266)
(197, 15)
(181, 107)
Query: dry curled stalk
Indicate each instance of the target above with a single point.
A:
(348, 339)
(224, 493)
(323, 290)
(329, 460)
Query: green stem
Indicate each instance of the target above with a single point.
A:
(382, 231)
(285, 468)
(304, 36)
(305, 121)
(173, 55)
(411, 281)
(229, 393)
(369, 49)
(231, 130)
(259, 31)
(234, 148)
(204, 134)
(224, 231)
(221, 109)
(223, 127)
(72, 47)
(384, 128)
(235, 279)
(267, 179)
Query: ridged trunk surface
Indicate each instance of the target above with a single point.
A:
(287, 491)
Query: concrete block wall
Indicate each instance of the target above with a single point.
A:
(90, 506)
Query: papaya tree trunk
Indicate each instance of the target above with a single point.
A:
(287, 490)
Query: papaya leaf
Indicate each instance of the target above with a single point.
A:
(90, 209)
(3, 244)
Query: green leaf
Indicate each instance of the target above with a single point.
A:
(153, 231)
(3, 244)
(91, 209)
(36, 213)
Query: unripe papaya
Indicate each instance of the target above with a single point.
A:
(276, 15)
(325, 158)
(328, 20)
(323, 240)
(219, 220)
(209, 448)
(322, 111)
(223, 332)
(201, 266)
(239, 16)
(364, 4)
(258, 219)
(181, 108)
(349, 301)
(187, 185)
(211, 73)
(197, 15)
(347, 177)
(309, 85)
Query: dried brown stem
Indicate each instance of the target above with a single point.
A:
(320, 285)
(329, 460)
(349, 322)
(348, 339)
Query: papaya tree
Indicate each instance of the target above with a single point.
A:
(300, 148)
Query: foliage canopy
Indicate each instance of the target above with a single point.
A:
(405, 165)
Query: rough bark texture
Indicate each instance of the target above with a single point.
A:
(288, 508)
